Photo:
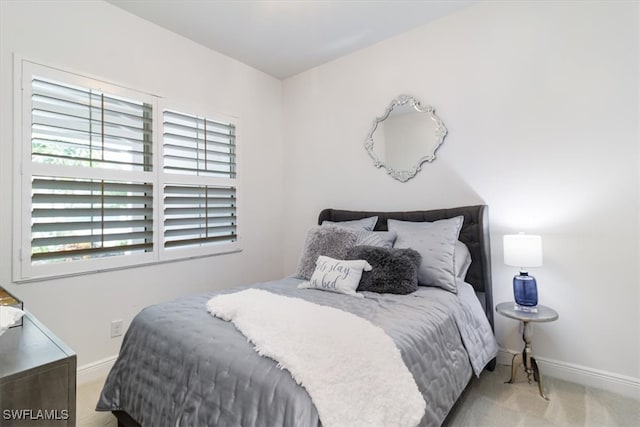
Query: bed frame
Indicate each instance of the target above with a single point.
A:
(474, 233)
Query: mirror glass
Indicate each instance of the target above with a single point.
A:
(404, 137)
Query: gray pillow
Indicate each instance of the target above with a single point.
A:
(436, 242)
(328, 241)
(462, 260)
(358, 224)
(383, 239)
(394, 271)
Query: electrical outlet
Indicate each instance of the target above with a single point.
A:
(117, 328)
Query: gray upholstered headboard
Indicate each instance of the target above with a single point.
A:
(474, 233)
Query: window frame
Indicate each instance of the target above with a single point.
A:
(25, 169)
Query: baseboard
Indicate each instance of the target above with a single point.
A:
(95, 370)
(621, 384)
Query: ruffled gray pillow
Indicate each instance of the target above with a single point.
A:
(333, 242)
(394, 271)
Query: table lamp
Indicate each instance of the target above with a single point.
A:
(524, 251)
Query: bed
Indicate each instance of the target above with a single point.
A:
(180, 366)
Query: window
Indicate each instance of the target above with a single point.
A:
(76, 219)
(203, 148)
(76, 126)
(196, 214)
(91, 193)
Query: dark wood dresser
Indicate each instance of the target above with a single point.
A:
(37, 377)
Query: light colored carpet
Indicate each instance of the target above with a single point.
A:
(486, 402)
(86, 399)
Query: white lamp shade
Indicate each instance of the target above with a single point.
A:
(522, 250)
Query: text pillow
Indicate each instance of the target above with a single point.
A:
(436, 242)
(336, 276)
(329, 241)
(394, 271)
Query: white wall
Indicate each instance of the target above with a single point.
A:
(541, 103)
(99, 39)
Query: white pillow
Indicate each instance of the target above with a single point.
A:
(436, 242)
(336, 275)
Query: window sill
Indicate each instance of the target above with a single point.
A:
(127, 267)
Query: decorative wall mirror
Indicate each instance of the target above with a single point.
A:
(404, 137)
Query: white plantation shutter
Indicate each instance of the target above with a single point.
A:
(77, 126)
(196, 214)
(202, 150)
(198, 146)
(76, 219)
(89, 173)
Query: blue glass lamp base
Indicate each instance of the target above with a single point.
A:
(525, 290)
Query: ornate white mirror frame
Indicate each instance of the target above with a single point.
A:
(417, 134)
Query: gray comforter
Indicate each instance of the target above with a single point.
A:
(180, 366)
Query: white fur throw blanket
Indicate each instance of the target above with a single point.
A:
(352, 369)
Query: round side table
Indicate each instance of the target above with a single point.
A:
(543, 314)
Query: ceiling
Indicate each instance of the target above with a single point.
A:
(283, 38)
